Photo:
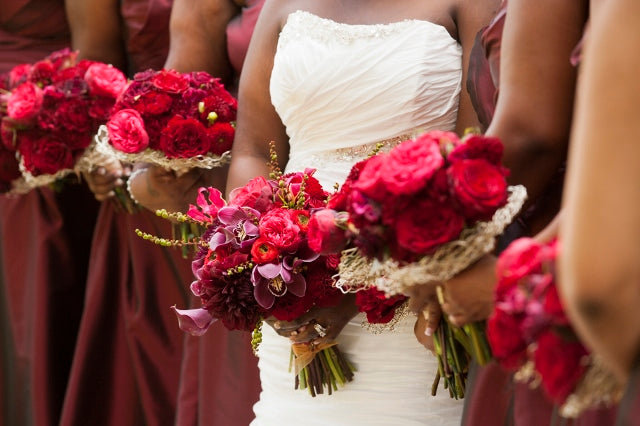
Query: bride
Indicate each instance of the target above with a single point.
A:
(327, 81)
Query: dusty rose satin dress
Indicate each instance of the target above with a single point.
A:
(493, 398)
(127, 361)
(220, 380)
(44, 245)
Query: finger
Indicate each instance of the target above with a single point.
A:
(432, 315)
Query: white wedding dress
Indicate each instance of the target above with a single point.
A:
(339, 89)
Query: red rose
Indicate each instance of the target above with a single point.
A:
(561, 365)
(256, 194)
(521, 258)
(72, 114)
(504, 333)
(478, 187)
(221, 137)
(379, 308)
(425, 225)
(25, 102)
(478, 147)
(100, 108)
(42, 72)
(184, 138)
(126, 131)
(325, 235)
(369, 180)
(105, 80)
(45, 156)
(262, 251)
(278, 227)
(410, 165)
(170, 81)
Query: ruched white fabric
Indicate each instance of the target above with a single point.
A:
(338, 88)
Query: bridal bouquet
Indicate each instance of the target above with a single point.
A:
(53, 109)
(530, 333)
(11, 180)
(254, 262)
(171, 119)
(422, 212)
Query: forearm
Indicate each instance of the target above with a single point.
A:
(600, 271)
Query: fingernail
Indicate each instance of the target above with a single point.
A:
(127, 172)
(111, 194)
(425, 314)
(452, 319)
(428, 331)
(119, 182)
(102, 171)
(276, 324)
(301, 329)
(294, 333)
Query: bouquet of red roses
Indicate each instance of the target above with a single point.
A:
(422, 212)
(11, 180)
(53, 109)
(530, 333)
(175, 120)
(254, 262)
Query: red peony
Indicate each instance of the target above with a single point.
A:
(325, 235)
(521, 258)
(478, 187)
(410, 165)
(256, 194)
(170, 81)
(105, 80)
(127, 132)
(184, 138)
(24, 103)
(425, 225)
(369, 180)
(278, 227)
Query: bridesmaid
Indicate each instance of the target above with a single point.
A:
(219, 381)
(44, 244)
(599, 266)
(533, 119)
(127, 360)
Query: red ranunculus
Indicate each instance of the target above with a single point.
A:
(425, 225)
(257, 194)
(324, 234)
(154, 103)
(25, 102)
(105, 80)
(410, 165)
(44, 155)
(561, 364)
(221, 137)
(279, 228)
(127, 132)
(263, 251)
(184, 138)
(478, 187)
(171, 81)
(505, 336)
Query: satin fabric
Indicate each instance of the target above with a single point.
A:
(44, 245)
(493, 398)
(338, 87)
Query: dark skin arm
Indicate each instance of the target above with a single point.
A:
(198, 43)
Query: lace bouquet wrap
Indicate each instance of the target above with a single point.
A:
(254, 262)
(530, 334)
(174, 120)
(422, 212)
(50, 111)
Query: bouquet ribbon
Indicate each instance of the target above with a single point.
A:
(305, 353)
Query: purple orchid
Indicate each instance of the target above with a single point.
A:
(272, 280)
(239, 228)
